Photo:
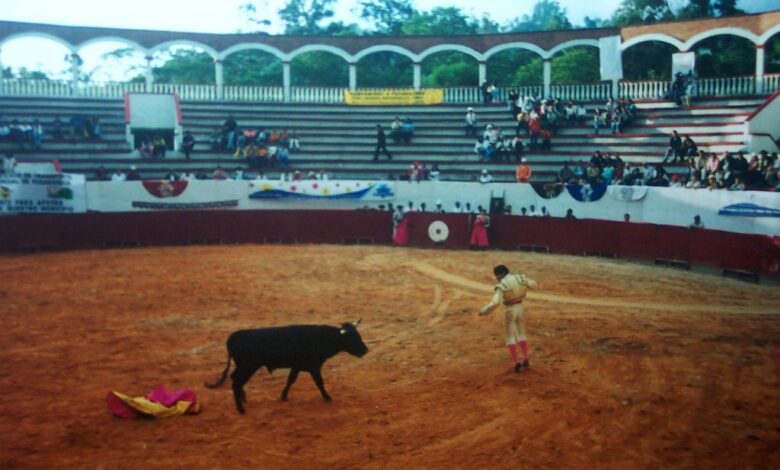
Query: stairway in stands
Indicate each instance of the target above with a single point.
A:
(341, 139)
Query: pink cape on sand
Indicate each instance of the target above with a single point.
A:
(160, 403)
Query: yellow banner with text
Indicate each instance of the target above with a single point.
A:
(390, 97)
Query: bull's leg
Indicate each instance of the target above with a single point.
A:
(317, 376)
(240, 377)
(290, 380)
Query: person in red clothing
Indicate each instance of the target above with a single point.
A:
(523, 172)
(479, 236)
(534, 130)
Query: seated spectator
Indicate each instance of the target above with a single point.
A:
(57, 128)
(739, 184)
(676, 183)
(158, 147)
(396, 130)
(571, 113)
(517, 147)
(485, 177)
(295, 141)
(37, 134)
(145, 150)
(229, 133)
(101, 174)
(415, 171)
(133, 174)
(523, 172)
(171, 175)
(697, 223)
(694, 182)
(219, 174)
(118, 177)
(615, 122)
(534, 129)
(239, 174)
(570, 214)
(546, 140)
(598, 120)
(434, 174)
(688, 148)
(566, 174)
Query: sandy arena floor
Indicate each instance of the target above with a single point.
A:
(632, 366)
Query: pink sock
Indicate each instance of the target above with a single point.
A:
(524, 346)
(513, 352)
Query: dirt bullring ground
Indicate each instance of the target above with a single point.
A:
(632, 366)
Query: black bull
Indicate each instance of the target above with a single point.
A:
(297, 347)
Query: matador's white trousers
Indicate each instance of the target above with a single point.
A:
(514, 324)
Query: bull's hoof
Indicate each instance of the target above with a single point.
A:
(326, 398)
(241, 410)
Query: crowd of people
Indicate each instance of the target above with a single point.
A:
(33, 133)
(615, 115)
(683, 87)
(262, 148)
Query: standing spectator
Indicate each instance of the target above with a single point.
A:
(381, 143)
(229, 133)
(118, 177)
(696, 222)
(145, 150)
(400, 227)
(295, 142)
(688, 148)
(187, 144)
(57, 127)
(471, 122)
(415, 171)
(523, 172)
(487, 96)
(675, 148)
(479, 235)
(434, 174)
(517, 146)
(9, 164)
(158, 147)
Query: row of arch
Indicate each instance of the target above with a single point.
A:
(757, 40)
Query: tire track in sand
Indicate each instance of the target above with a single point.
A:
(436, 273)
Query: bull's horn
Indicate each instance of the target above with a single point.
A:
(357, 322)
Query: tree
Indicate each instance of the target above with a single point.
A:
(696, 9)
(576, 65)
(727, 8)
(450, 69)
(319, 69)
(385, 69)
(186, 66)
(548, 15)
(443, 21)
(303, 17)
(642, 11)
(387, 16)
(252, 68)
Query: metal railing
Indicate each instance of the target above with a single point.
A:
(727, 86)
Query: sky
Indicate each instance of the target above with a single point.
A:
(223, 16)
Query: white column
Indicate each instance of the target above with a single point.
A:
(75, 71)
(760, 69)
(1, 71)
(220, 79)
(286, 81)
(615, 89)
(547, 77)
(482, 73)
(352, 76)
(417, 68)
(148, 75)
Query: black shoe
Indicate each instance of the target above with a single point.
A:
(518, 368)
(525, 364)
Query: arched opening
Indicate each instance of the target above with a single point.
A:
(450, 69)
(651, 60)
(576, 65)
(319, 69)
(385, 69)
(724, 56)
(189, 65)
(51, 60)
(515, 67)
(772, 55)
(252, 68)
(111, 61)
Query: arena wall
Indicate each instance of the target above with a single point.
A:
(757, 254)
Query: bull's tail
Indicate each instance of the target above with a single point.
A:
(224, 375)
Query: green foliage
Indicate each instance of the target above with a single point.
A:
(772, 55)
(530, 74)
(186, 66)
(385, 69)
(503, 67)
(319, 69)
(696, 9)
(387, 16)
(25, 74)
(303, 17)
(450, 69)
(548, 15)
(725, 56)
(576, 65)
(648, 61)
(641, 12)
(252, 68)
(440, 21)
(727, 8)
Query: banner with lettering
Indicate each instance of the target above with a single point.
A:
(28, 193)
(394, 97)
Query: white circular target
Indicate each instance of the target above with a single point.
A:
(438, 231)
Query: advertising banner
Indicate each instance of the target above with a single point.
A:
(394, 97)
(28, 193)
